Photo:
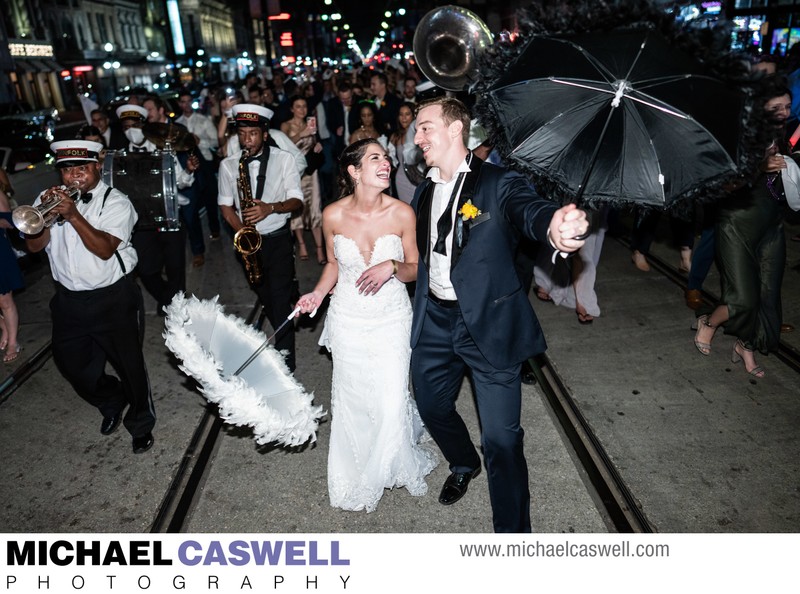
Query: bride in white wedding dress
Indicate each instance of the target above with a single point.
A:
(376, 432)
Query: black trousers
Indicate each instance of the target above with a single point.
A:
(439, 361)
(277, 290)
(92, 328)
(162, 263)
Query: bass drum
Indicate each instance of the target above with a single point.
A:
(149, 181)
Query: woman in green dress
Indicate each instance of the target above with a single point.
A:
(751, 251)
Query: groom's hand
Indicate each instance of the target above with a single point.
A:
(567, 225)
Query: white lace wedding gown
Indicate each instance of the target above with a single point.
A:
(375, 428)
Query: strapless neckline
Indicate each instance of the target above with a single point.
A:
(367, 264)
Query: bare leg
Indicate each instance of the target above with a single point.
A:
(3, 333)
(577, 268)
(10, 324)
(301, 244)
(316, 232)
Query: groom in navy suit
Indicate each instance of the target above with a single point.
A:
(470, 311)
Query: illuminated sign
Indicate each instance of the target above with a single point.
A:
(284, 16)
(35, 50)
(175, 24)
(286, 39)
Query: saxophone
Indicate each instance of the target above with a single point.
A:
(247, 240)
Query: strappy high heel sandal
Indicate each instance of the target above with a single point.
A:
(303, 252)
(703, 347)
(321, 256)
(757, 371)
(11, 354)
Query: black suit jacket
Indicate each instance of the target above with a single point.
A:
(388, 112)
(494, 305)
(118, 139)
(334, 114)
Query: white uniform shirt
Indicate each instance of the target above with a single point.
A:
(72, 264)
(282, 182)
(204, 129)
(232, 149)
(440, 284)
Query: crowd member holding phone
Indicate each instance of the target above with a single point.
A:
(302, 131)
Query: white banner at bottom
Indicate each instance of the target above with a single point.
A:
(369, 563)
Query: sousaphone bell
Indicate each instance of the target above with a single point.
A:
(447, 43)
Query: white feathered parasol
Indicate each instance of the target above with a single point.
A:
(264, 395)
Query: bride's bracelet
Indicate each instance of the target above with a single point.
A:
(394, 267)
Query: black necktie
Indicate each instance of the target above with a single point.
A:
(86, 197)
(445, 223)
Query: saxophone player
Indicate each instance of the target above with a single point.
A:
(274, 183)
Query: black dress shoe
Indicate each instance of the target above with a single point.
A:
(143, 443)
(527, 375)
(456, 486)
(110, 424)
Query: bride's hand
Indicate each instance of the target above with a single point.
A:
(309, 302)
(373, 278)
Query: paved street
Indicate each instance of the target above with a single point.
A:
(703, 447)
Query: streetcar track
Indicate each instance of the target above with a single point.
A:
(612, 493)
(25, 371)
(785, 352)
(181, 495)
(610, 490)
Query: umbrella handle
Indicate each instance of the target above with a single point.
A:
(265, 344)
(590, 217)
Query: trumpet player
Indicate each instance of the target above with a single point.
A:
(275, 186)
(97, 304)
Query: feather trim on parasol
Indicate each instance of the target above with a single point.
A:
(707, 45)
(266, 396)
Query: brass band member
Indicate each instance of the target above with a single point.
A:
(96, 305)
(275, 186)
(162, 254)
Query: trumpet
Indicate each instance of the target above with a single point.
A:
(31, 220)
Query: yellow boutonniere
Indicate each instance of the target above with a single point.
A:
(383, 103)
(469, 211)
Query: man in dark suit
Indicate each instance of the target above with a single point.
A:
(341, 118)
(470, 311)
(387, 103)
(113, 136)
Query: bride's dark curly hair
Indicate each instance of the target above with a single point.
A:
(352, 155)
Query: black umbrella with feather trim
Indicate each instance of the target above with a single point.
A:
(619, 116)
